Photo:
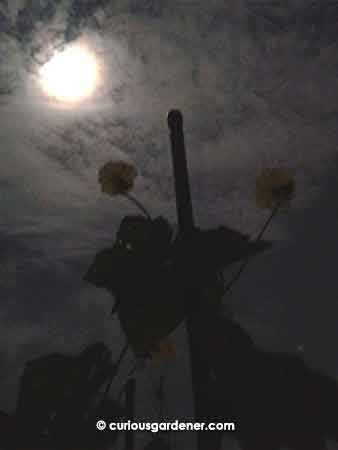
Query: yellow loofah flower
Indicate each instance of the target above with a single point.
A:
(117, 177)
(164, 350)
(274, 188)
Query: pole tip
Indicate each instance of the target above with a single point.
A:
(175, 118)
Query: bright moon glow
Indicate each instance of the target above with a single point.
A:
(71, 75)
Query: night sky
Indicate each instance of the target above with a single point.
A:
(257, 83)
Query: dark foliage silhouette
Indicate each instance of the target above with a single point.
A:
(274, 398)
(59, 403)
(159, 281)
(136, 272)
(148, 272)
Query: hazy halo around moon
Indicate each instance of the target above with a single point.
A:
(71, 75)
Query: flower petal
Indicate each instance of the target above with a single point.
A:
(117, 177)
(274, 187)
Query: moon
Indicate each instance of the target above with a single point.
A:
(71, 75)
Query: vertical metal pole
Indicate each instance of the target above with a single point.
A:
(182, 189)
(199, 373)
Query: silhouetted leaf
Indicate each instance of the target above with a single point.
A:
(104, 271)
(137, 271)
(140, 244)
(151, 308)
(145, 238)
(208, 251)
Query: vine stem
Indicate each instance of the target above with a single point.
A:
(116, 367)
(269, 220)
(247, 259)
(137, 203)
(129, 376)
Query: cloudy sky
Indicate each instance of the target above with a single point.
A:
(258, 86)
